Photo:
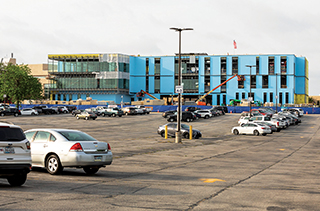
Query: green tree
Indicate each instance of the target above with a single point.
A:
(17, 83)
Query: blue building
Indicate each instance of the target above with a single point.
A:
(273, 78)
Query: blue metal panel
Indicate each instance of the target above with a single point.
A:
(300, 66)
(301, 88)
(138, 67)
(290, 64)
(167, 66)
(151, 67)
(263, 62)
(151, 84)
(137, 83)
(215, 65)
(201, 75)
(167, 84)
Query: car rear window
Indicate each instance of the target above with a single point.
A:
(76, 136)
(11, 134)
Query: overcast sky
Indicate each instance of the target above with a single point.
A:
(32, 29)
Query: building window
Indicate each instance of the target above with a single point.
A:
(283, 64)
(157, 66)
(280, 98)
(70, 97)
(157, 84)
(243, 95)
(223, 65)
(241, 84)
(271, 97)
(251, 95)
(218, 99)
(287, 98)
(265, 81)
(147, 74)
(223, 87)
(264, 97)
(257, 64)
(271, 65)
(237, 96)
(207, 65)
(253, 81)
(79, 96)
(234, 65)
(283, 81)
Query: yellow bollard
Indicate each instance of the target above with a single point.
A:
(190, 132)
(166, 132)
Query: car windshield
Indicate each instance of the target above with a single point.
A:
(76, 136)
(184, 126)
(11, 134)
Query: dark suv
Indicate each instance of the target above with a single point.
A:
(10, 111)
(187, 116)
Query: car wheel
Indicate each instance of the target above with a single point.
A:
(191, 120)
(17, 180)
(187, 120)
(256, 133)
(93, 118)
(86, 118)
(103, 114)
(171, 120)
(127, 114)
(77, 117)
(16, 114)
(206, 117)
(186, 135)
(2, 114)
(278, 129)
(120, 115)
(162, 134)
(91, 170)
(113, 115)
(236, 132)
(264, 134)
(53, 165)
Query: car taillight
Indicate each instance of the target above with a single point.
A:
(109, 147)
(28, 145)
(277, 123)
(263, 128)
(76, 148)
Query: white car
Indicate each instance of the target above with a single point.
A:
(55, 149)
(252, 128)
(29, 111)
(204, 113)
(15, 154)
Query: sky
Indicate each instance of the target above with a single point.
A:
(35, 28)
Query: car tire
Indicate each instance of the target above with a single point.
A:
(2, 114)
(77, 117)
(87, 118)
(91, 170)
(114, 115)
(256, 133)
(163, 134)
(186, 135)
(120, 115)
(93, 118)
(278, 129)
(170, 120)
(187, 120)
(236, 132)
(32, 114)
(103, 114)
(17, 180)
(264, 134)
(127, 113)
(16, 114)
(53, 165)
(206, 117)
(191, 120)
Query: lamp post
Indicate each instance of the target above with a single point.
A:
(178, 133)
(276, 93)
(250, 88)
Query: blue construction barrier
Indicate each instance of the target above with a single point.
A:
(163, 108)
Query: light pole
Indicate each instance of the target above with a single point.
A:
(178, 133)
(250, 88)
(276, 93)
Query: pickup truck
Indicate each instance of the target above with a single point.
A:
(109, 111)
(144, 109)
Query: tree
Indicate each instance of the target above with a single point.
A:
(17, 83)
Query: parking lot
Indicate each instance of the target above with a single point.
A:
(220, 171)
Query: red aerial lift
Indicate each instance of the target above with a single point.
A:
(141, 94)
(199, 102)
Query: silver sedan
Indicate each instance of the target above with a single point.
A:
(55, 149)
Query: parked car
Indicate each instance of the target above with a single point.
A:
(145, 110)
(192, 108)
(44, 109)
(187, 116)
(75, 112)
(71, 108)
(113, 111)
(167, 113)
(94, 110)
(15, 154)
(224, 109)
(261, 111)
(63, 109)
(29, 111)
(55, 149)
(129, 111)
(185, 131)
(251, 128)
(4, 106)
(272, 126)
(204, 113)
(215, 112)
(86, 115)
(10, 111)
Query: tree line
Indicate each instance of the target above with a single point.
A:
(17, 84)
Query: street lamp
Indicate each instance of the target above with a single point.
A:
(276, 93)
(250, 99)
(178, 133)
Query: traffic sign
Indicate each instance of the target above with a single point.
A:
(179, 89)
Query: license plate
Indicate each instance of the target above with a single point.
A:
(9, 150)
(97, 158)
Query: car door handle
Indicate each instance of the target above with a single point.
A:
(45, 145)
